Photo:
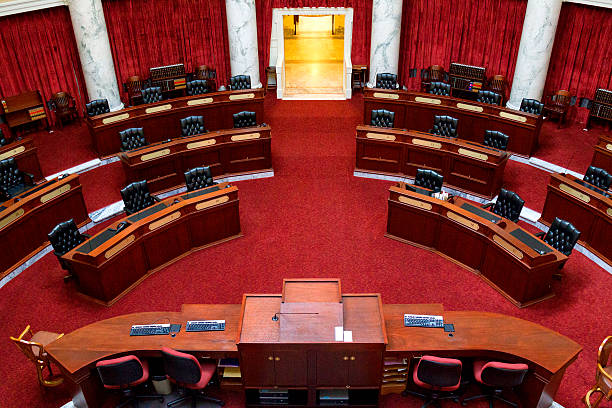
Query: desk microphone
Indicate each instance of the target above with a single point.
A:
(275, 317)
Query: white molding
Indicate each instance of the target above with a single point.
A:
(594, 3)
(23, 6)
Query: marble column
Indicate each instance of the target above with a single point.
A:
(537, 40)
(242, 37)
(386, 31)
(94, 51)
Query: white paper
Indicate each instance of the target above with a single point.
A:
(339, 333)
(348, 336)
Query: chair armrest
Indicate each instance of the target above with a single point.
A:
(488, 205)
(156, 198)
(540, 234)
(29, 175)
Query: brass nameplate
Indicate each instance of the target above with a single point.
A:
(427, 143)
(431, 101)
(202, 101)
(209, 203)
(159, 108)
(512, 116)
(573, 192)
(166, 220)
(117, 248)
(115, 118)
(385, 95)
(201, 143)
(380, 136)
(609, 146)
(414, 203)
(473, 154)
(155, 155)
(463, 221)
(12, 152)
(508, 246)
(51, 195)
(240, 97)
(246, 136)
(609, 212)
(469, 107)
(11, 217)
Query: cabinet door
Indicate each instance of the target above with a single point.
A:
(257, 368)
(290, 368)
(332, 368)
(365, 368)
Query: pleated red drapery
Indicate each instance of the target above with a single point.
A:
(475, 32)
(145, 34)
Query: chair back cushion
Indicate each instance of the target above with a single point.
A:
(438, 373)
(122, 372)
(197, 87)
(3, 140)
(445, 126)
(439, 88)
(181, 367)
(192, 125)
(496, 139)
(136, 197)
(429, 179)
(531, 106)
(245, 119)
(488, 97)
(598, 177)
(562, 236)
(97, 107)
(382, 118)
(386, 81)
(508, 205)
(153, 94)
(132, 138)
(240, 82)
(198, 178)
(65, 236)
(10, 175)
(497, 374)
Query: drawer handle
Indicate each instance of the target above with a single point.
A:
(352, 358)
(277, 359)
(345, 358)
(270, 358)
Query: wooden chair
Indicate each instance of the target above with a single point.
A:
(134, 86)
(434, 73)
(270, 79)
(499, 85)
(557, 105)
(603, 377)
(64, 107)
(203, 72)
(34, 349)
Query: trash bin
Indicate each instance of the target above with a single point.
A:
(161, 384)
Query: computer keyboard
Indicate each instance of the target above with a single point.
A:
(412, 320)
(205, 325)
(149, 329)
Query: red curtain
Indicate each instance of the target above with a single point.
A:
(475, 32)
(145, 34)
(38, 52)
(362, 26)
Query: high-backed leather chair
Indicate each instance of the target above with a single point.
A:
(489, 97)
(12, 180)
(151, 95)
(382, 118)
(557, 106)
(64, 237)
(531, 106)
(240, 82)
(561, 235)
(386, 81)
(603, 376)
(136, 197)
(64, 107)
(123, 374)
(429, 179)
(97, 107)
(245, 119)
(496, 377)
(508, 205)
(198, 178)
(444, 126)
(434, 73)
(496, 139)
(3, 140)
(192, 125)
(439, 88)
(197, 87)
(132, 138)
(439, 376)
(33, 346)
(598, 177)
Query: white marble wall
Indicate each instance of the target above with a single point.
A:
(242, 36)
(534, 52)
(94, 50)
(386, 31)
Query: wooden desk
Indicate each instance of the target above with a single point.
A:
(415, 110)
(589, 211)
(25, 220)
(25, 154)
(466, 166)
(161, 120)
(602, 155)
(227, 152)
(24, 108)
(500, 252)
(111, 263)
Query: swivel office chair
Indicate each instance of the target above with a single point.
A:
(439, 88)
(508, 205)
(12, 180)
(382, 118)
(136, 197)
(34, 348)
(386, 81)
(245, 119)
(444, 126)
(240, 82)
(198, 178)
(598, 177)
(496, 139)
(496, 377)
(440, 376)
(531, 106)
(429, 179)
(603, 376)
(192, 125)
(151, 95)
(97, 107)
(197, 87)
(64, 237)
(131, 139)
(489, 97)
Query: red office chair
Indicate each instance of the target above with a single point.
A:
(124, 374)
(441, 376)
(496, 377)
(186, 371)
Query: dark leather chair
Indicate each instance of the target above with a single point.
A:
(496, 139)
(136, 197)
(439, 88)
(386, 81)
(598, 177)
(240, 82)
(198, 178)
(123, 374)
(132, 138)
(186, 371)
(197, 87)
(444, 126)
(192, 125)
(429, 179)
(12, 180)
(440, 376)
(382, 118)
(64, 237)
(97, 107)
(489, 97)
(562, 236)
(531, 106)
(497, 377)
(64, 107)
(151, 95)
(508, 205)
(3, 141)
(245, 119)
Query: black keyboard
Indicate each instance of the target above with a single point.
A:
(205, 325)
(149, 329)
(412, 320)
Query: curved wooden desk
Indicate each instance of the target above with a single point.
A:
(25, 154)
(161, 120)
(415, 110)
(466, 166)
(602, 155)
(25, 220)
(513, 261)
(227, 152)
(112, 262)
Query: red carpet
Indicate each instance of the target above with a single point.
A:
(313, 219)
